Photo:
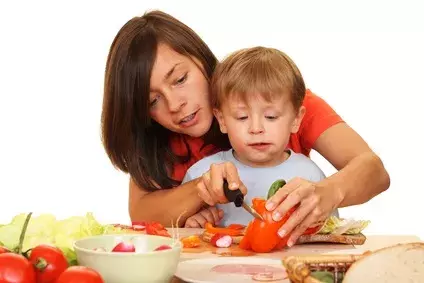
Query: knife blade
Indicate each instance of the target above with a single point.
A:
(237, 197)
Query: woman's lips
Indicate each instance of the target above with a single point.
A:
(190, 120)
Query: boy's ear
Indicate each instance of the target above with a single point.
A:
(298, 119)
(220, 118)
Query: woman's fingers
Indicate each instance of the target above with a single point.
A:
(216, 183)
(203, 192)
(298, 217)
(293, 198)
(310, 219)
(282, 193)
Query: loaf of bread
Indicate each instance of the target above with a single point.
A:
(394, 264)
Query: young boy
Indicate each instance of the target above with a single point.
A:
(257, 95)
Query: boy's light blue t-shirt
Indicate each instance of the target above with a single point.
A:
(258, 180)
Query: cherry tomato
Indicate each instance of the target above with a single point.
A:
(80, 274)
(15, 268)
(49, 263)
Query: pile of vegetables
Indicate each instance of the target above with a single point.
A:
(40, 249)
(39, 262)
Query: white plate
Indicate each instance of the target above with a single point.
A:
(201, 270)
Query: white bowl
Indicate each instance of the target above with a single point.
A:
(144, 265)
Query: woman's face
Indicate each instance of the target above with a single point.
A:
(179, 93)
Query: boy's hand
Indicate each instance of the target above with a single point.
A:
(210, 214)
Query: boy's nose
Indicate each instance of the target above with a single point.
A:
(256, 128)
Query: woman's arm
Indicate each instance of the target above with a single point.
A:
(361, 174)
(164, 206)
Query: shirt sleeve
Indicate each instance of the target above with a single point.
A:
(319, 116)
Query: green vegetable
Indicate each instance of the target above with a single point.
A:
(46, 229)
(325, 276)
(275, 187)
(343, 226)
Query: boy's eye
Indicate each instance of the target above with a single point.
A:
(271, 117)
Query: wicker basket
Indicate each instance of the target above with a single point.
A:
(302, 269)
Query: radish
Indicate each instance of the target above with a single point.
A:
(221, 240)
(163, 247)
(124, 247)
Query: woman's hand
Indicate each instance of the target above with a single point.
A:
(210, 185)
(316, 203)
(210, 214)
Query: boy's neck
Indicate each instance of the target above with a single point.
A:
(280, 158)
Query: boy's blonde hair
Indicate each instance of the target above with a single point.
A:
(266, 71)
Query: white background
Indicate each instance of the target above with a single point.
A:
(364, 58)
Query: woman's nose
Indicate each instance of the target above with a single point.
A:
(175, 102)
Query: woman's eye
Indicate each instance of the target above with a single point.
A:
(181, 80)
(153, 102)
(242, 118)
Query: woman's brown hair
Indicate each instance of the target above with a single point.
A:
(133, 141)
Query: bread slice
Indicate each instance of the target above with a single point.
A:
(357, 239)
(394, 264)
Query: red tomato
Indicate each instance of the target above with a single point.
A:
(16, 268)
(49, 262)
(80, 274)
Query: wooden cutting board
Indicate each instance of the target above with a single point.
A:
(358, 239)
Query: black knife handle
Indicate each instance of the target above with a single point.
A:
(235, 196)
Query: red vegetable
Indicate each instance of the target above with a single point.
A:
(261, 236)
(49, 263)
(192, 241)
(155, 228)
(15, 268)
(221, 240)
(124, 247)
(80, 274)
(226, 230)
(163, 247)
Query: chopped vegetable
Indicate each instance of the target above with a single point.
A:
(335, 225)
(221, 240)
(225, 230)
(124, 247)
(192, 241)
(163, 247)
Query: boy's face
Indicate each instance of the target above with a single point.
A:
(259, 131)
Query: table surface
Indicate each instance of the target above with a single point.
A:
(372, 243)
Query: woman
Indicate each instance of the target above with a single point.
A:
(157, 121)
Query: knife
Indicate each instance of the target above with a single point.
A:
(237, 197)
